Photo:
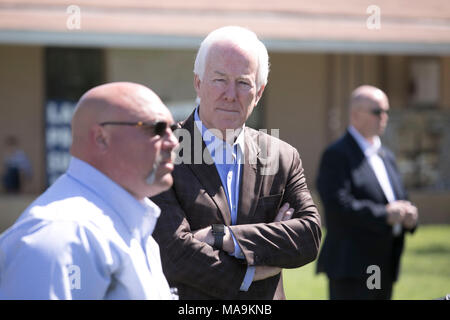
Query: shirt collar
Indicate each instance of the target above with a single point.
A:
(139, 216)
(367, 148)
(214, 144)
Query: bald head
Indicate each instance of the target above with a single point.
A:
(119, 100)
(106, 134)
(366, 96)
(368, 111)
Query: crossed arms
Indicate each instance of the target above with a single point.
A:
(291, 240)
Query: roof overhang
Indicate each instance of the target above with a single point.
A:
(284, 26)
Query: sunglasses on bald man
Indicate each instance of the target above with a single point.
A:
(156, 128)
(378, 111)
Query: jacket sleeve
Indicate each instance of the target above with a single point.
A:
(191, 262)
(286, 244)
(335, 189)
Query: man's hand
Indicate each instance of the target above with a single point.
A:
(264, 272)
(205, 235)
(403, 212)
(395, 212)
(285, 213)
(411, 216)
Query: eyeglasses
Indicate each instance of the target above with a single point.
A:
(156, 128)
(378, 111)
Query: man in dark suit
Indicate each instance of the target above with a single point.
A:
(365, 204)
(239, 210)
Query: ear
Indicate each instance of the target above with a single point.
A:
(259, 94)
(353, 114)
(197, 83)
(100, 138)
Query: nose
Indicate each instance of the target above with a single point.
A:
(230, 91)
(170, 140)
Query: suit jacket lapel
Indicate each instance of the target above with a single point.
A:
(251, 180)
(206, 172)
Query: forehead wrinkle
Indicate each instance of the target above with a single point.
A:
(240, 76)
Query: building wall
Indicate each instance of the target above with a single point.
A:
(168, 73)
(445, 84)
(296, 104)
(21, 103)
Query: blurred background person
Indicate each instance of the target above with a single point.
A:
(16, 166)
(365, 204)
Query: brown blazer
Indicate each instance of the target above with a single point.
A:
(197, 200)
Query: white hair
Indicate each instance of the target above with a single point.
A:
(243, 38)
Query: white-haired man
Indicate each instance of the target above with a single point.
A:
(230, 224)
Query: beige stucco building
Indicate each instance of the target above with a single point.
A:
(319, 52)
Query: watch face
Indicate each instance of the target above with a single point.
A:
(218, 229)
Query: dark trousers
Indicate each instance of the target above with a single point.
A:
(356, 289)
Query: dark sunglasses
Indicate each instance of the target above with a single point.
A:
(156, 128)
(378, 111)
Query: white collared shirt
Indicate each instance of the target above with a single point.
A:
(84, 238)
(375, 161)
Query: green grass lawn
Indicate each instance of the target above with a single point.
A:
(425, 270)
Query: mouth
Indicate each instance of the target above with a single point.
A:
(164, 163)
(168, 165)
(162, 166)
(227, 110)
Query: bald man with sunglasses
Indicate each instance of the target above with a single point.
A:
(365, 202)
(89, 236)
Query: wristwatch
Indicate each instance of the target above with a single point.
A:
(218, 231)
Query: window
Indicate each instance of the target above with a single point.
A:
(69, 73)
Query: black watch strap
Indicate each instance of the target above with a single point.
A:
(218, 231)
